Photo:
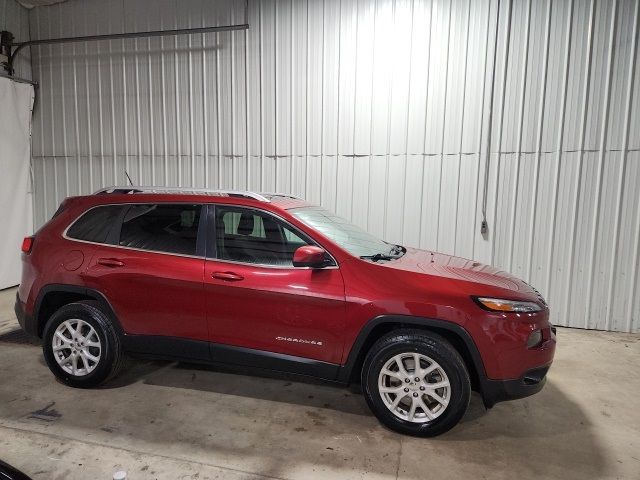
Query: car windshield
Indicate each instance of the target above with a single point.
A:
(350, 237)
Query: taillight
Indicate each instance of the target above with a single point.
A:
(27, 244)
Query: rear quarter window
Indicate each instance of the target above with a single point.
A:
(95, 224)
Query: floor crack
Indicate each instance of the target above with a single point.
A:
(399, 458)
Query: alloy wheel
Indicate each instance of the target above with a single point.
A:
(76, 347)
(414, 387)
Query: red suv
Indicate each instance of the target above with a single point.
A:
(269, 281)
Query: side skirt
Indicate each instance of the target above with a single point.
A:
(181, 349)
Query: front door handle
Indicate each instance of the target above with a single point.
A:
(227, 276)
(110, 262)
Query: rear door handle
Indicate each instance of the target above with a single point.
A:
(110, 262)
(227, 276)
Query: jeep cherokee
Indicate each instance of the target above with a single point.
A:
(269, 281)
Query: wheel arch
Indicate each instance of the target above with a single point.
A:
(383, 324)
(54, 296)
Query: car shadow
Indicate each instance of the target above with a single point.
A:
(19, 337)
(243, 382)
(548, 423)
(541, 434)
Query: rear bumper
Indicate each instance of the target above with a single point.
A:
(26, 321)
(494, 391)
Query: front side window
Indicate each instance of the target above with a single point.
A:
(161, 228)
(95, 224)
(250, 236)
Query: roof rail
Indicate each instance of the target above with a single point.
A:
(286, 195)
(184, 190)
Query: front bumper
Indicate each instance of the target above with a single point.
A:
(494, 391)
(535, 362)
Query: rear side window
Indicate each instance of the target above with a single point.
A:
(95, 224)
(162, 228)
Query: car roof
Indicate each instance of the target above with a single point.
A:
(138, 194)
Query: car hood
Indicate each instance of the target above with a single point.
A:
(461, 269)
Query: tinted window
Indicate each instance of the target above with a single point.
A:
(161, 228)
(95, 224)
(231, 220)
(250, 236)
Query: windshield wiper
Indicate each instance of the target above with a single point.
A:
(394, 254)
(377, 257)
(397, 251)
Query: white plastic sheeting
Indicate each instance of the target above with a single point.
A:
(16, 101)
(378, 109)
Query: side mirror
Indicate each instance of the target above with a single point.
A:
(309, 256)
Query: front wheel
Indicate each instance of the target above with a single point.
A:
(81, 346)
(416, 383)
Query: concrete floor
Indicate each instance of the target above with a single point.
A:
(167, 420)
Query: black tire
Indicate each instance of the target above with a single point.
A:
(111, 355)
(433, 346)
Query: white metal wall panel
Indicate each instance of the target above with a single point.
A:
(378, 109)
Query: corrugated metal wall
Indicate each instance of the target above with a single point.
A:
(380, 111)
(15, 18)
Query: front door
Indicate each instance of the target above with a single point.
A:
(257, 299)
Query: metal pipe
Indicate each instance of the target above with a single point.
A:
(115, 36)
(484, 226)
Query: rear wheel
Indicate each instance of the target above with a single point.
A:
(416, 383)
(81, 346)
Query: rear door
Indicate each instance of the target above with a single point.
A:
(257, 299)
(152, 271)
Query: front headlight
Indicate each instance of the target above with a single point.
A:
(501, 305)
